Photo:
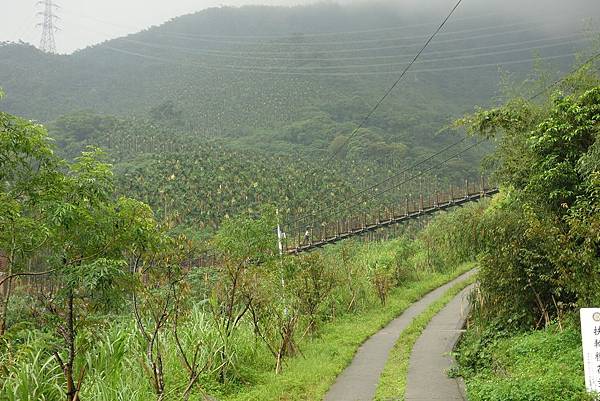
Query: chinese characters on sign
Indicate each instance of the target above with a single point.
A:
(590, 337)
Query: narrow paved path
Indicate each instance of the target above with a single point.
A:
(430, 359)
(359, 380)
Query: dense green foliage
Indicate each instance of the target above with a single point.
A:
(103, 300)
(115, 372)
(196, 182)
(116, 308)
(540, 365)
(539, 246)
(267, 93)
(539, 237)
(62, 221)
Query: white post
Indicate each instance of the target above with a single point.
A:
(280, 244)
(279, 234)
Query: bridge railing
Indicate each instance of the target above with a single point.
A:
(316, 235)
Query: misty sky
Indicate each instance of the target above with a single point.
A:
(85, 22)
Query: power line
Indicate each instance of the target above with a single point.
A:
(192, 51)
(196, 51)
(262, 54)
(297, 43)
(589, 60)
(266, 71)
(287, 35)
(359, 49)
(387, 93)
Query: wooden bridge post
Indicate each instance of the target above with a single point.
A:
(420, 202)
(451, 193)
(406, 207)
(482, 187)
(466, 188)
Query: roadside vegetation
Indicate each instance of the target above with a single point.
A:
(539, 241)
(102, 301)
(106, 290)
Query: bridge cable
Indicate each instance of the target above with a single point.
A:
(351, 207)
(558, 81)
(589, 60)
(411, 167)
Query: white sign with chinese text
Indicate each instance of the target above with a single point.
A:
(590, 337)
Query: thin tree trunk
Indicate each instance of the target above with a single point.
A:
(7, 291)
(72, 391)
(4, 308)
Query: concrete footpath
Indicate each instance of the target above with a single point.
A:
(431, 359)
(359, 380)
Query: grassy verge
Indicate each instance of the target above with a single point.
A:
(309, 376)
(543, 365)
(392, 383)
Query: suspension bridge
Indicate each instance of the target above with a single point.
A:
(318, 236)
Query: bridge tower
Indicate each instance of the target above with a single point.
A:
(47, 42)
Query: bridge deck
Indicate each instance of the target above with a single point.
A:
(411, 215)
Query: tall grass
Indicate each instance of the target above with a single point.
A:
(112, 354)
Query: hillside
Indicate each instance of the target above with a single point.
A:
(238, 89)
(231, 70)
(241, 203)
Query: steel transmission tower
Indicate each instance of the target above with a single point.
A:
(47, 43)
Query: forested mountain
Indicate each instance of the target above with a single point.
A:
(140, 218)
(234, 69)
(257, 84)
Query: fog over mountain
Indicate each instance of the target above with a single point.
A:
(87, 22)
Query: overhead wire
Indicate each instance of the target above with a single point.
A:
(195, 51)
(297, 43)
(231, 68)
(349, 66)
(558, 81)
(420, 174)
(230, 53)
(359, 49)
(387, 93)
(280, 36)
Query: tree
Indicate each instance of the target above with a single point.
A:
(165, 111)
(244, 244)
(540, 247)
(312, 284)
(27, 177)
(89, 236)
